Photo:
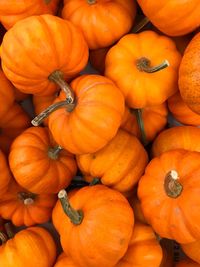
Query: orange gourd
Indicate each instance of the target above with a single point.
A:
(145, 68)
(39, 164)
(189, 75)
(168, 190)
(65, 261)
(32, 59)
(98, 216)
(5, 174)
(184, 137)
(116, 164)
(192, 250)
(99, 19)
(172, 17)
(187, 263)
(12, 11)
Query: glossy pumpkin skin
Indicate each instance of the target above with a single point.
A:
(32, 247)
(161, 210)
(23, 208)
(65, 261)
(12, 124)
(143, 89)
(35, 166)
(5, 174)
(184, 15)
(21, 56)
(100, 19)
(97, 58)
(12, 11)
(192, 250)
(117, 163)
(180, 137)
(95, 119)
(113, 218)
(187, 263)
(143, 250)
(189, 75)
(181, 112)
(154, 120)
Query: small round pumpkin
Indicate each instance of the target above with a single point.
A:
(116, 164)
(168, 190)
(5, 173)
(92, 208)
(65, 261)
(192, 250)
(145, 68)
(187, 263)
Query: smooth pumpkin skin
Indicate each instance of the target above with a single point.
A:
(144, 249)
(34, 168)
(59, 44)
(5, 173)
(189, 74)
(99, 21)
(181, 112)
(15, 121)
(65, 261)
(192, 250)
(12, 11)
(172, 17)
(172, 218)
(31, 247)
(154, 120)
(20, 212)
(117, 163)
(113, 218)
(183, 137)
(95, 119)
(143, 89)
(187, 263)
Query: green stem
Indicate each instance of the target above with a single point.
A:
(144, 64)
(138, 114)
(140, 25)
(3, 238)
(9, 230)
(95, 181)
(53, 153)
(171, 185)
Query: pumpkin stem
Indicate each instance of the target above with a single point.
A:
(53, 153)
(44, 114)
(140, 25)
(95, 181)
(91, 2)
(9, 230)
(27, 197)
(76, 216)
(58, 78)
(3, 238)
(172, 187)
(143, 64)
(138, 114)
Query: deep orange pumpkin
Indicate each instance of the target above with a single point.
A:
(169, 195)
(101, 218)
(39, 164)
(130, 64)
(65, 261)
(192, 250)
(5, 173)
(31, 59)
(187, 263)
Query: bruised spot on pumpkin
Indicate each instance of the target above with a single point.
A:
(94, 156)
(121, 241)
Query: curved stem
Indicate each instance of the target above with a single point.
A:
(44, 114)
(9, 230)
(171, 185)
(140, 25)
(27, 197)
(53, 153)
(91, 2)
(138, 114)
(143, 64)
(76, 216)
(3, 238)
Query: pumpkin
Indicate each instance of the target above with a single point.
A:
(183, 137)
(31, 247)
(92, 208)
(189, 75)
(99, 20)
(136, 205)
(12, 11)
(65, 261)
(12, 124)
(59, 44)
(97, 58)
(184, 15)
(143, 250)
(192, 250)
(116, 164)
(168, 190)
(181, 112)
(25, 208)
(187, 263)
(145, 123)
(39, 164)
(146, 73)
(5, 173)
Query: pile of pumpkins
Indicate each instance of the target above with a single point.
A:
(140, 173)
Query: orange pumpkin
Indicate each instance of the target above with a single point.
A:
(169, 194)
(92, 208)
(185, 137)
(181, 112)
(65, 261)
(5, 174)
(99, 19)
(117, 163)
(12, 124)
(192, 250)
(31, 247)
(189, 75)
(172, 17)
(25, 208)
(12, 11)
(146, 73)
(59, 44)
(97, 58)
(39, 164)
(187, 263)
(143, 250)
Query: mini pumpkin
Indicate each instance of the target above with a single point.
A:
(65, 261)
(5, 173)
(187, 263)
(192, 250)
